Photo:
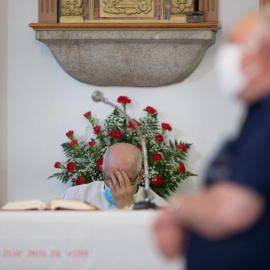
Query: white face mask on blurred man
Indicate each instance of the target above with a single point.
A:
(228, 69)
(232, 76)
(243, 65)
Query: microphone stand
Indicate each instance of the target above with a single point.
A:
(97, 96)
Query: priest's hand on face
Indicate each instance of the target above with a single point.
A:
(122, 190)
(170, 236)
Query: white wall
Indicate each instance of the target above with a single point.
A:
(3, 101)
(44, 103)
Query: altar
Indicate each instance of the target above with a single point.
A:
(97, 240)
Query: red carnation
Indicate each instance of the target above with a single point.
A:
(157, 157)
(70, 133)
(97, 129)
(79, 181)
(158, 180)
(123, 99)
(166, 126)
(138, 147)
(57, 165)
(72, 143)
(71, 166)
(92, 143)
(99, 163)
(182, 147)
(130, 125)
(182, 168)
(159, 138)
(87, 114)
(150, 110)
(116, 134)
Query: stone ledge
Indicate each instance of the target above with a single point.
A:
(148, 58)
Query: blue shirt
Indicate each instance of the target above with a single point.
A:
(245, 161)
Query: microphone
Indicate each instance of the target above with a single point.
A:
(97, 96)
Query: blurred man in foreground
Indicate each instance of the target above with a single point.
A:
(227, 226)
(122, 172)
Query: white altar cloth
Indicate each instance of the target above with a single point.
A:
(98, 240)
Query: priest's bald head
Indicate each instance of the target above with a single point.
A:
(122, 172)
(123, 157)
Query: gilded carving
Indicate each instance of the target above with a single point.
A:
(264, 4)
(209, 9)
(71, 8)
(47, 11)
(181, 6)
(127, 7)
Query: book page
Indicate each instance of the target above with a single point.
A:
(71, 205)
(25, 205)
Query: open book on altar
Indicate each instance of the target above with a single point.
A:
(55, 204)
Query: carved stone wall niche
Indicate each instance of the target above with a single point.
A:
(147, 58)
(142, 43)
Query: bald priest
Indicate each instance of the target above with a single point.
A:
(122, 173)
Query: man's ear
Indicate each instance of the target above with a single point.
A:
(141, 175)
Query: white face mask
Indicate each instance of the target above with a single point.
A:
(228, 69)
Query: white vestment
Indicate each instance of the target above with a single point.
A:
(93, 193)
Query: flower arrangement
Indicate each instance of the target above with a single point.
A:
(85, 154)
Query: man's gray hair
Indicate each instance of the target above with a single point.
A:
(263, 28)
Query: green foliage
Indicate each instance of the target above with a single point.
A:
(86, 157)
